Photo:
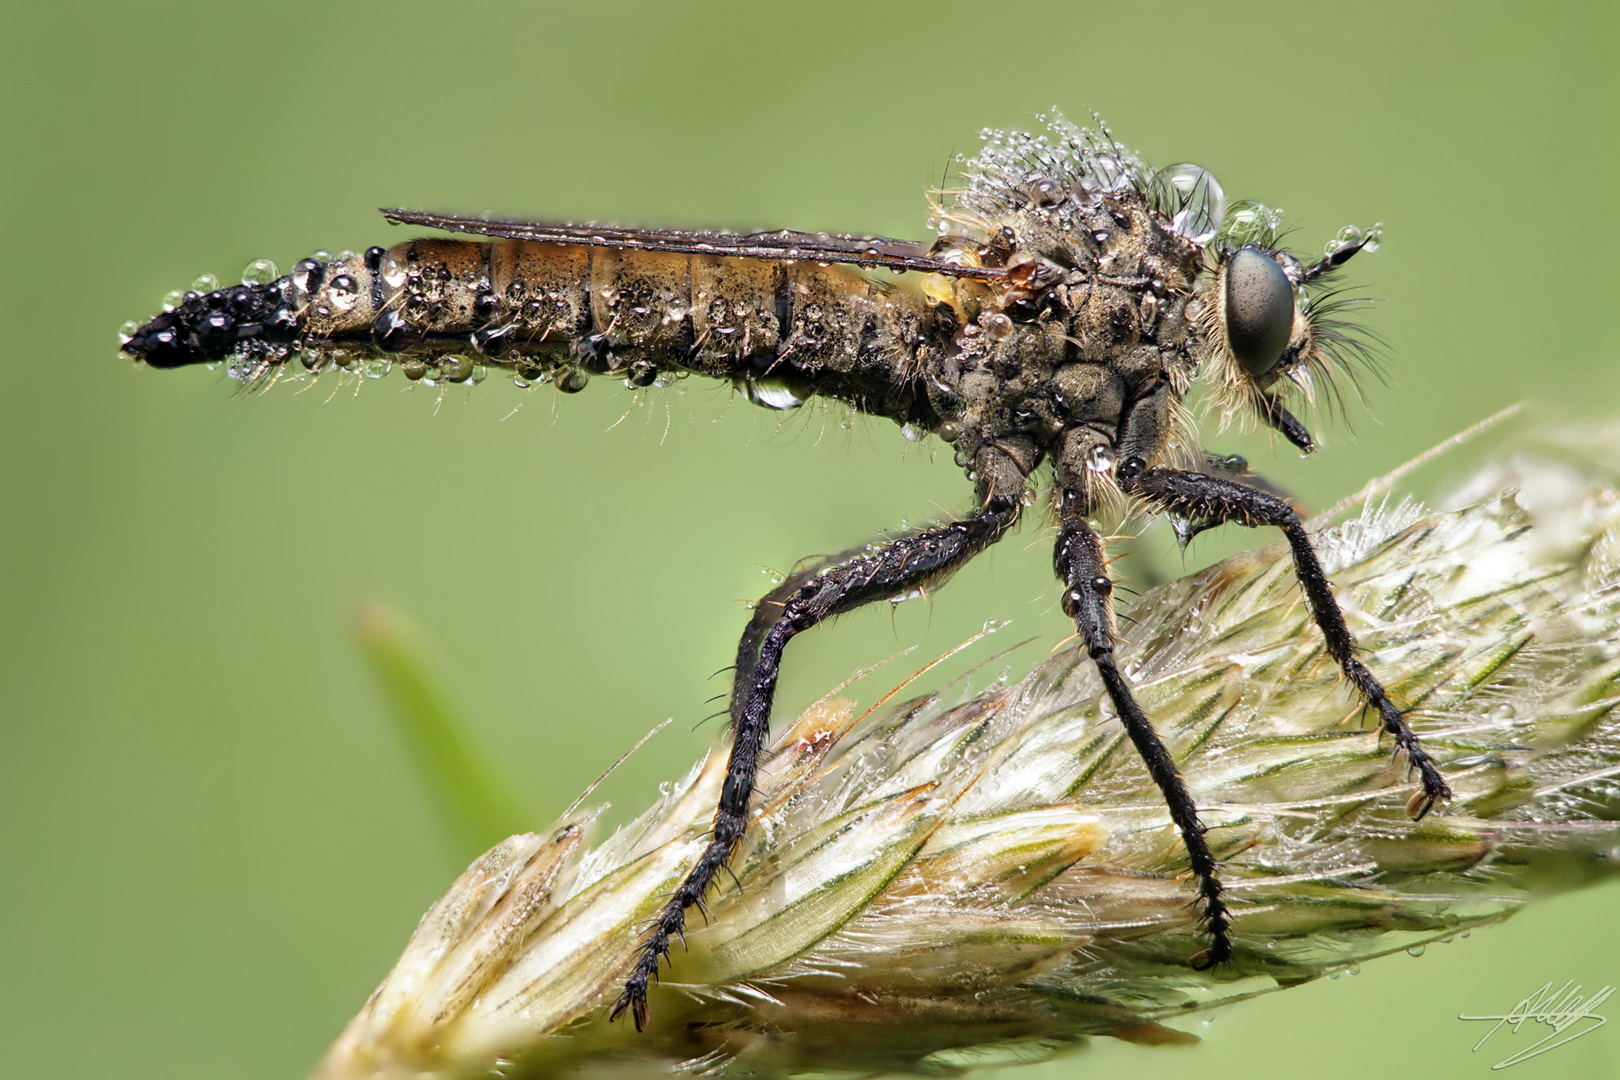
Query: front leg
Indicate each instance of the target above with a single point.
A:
(1211, 500)
(811, 596)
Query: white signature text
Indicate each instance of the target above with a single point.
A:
(1560, 1009)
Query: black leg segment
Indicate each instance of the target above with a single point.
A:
(1087, 599)
(911, 562)
(1209, 500)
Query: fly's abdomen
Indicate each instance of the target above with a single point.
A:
(562, 312)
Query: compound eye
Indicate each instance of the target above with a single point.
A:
(1259, 310)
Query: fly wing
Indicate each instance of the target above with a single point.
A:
(868, 251)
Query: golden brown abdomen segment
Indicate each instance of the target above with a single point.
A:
(546, 308)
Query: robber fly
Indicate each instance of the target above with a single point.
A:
(1072, 298)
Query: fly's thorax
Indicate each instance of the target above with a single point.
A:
(1091, 318)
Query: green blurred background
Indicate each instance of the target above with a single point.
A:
(211, 841)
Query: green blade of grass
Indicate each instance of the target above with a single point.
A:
(475, 802)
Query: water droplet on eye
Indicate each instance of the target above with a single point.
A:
(1100, 458)
(173, 299)
(1249, 223)
(207, 283)
(913, 432)
(259, 272)
(1416, 950)
(376, 368)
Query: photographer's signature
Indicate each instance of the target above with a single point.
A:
(1560, 1009)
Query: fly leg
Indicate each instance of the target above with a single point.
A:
(1209, 500)
(1087, 599)
(914, 561)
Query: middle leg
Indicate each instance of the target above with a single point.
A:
(1087, 599)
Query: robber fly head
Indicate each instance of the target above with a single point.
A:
(1271, 323)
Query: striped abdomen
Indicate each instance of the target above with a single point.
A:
(562, 312)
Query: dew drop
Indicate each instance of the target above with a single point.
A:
(127, 331)
(1249, 223)
(1100, 458)
(173, 299)
(376, 368)
(343, 292)
(1200, 201)
(456, 368)
(206, 283)
(392, 271)
(774, 393)
(1416, 950)
(1348, 236)
(913, 432)
(259, 272)
(992, 625)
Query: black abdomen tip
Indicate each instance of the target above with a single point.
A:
(246, 320)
